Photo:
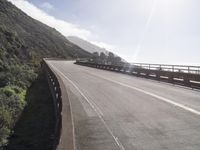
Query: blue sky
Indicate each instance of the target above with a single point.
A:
(151, 31)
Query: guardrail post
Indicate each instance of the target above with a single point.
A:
(186, 81)
(172, 68)
(158, 75)
(171, 78)
(138, 73)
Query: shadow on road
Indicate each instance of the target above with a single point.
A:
(35, 127)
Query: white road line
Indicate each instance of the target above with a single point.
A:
(152, 94)
(92, 105)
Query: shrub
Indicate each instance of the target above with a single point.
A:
(5, 125)
(13, 99)
(8, 91)
(4, 79)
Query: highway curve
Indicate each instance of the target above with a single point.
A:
(114, 111)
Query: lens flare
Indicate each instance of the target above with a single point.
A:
(138, 49)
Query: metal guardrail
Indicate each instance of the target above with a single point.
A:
(54, 87)
(172, 68)
(176, 74)
(64, 138)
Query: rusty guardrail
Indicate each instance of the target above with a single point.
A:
(63, 137)
(176, 74)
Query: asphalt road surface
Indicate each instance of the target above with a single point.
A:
(114, 111)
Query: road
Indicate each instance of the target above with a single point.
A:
(114, 111)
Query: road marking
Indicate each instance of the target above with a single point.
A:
(151, 94)
(98, 112)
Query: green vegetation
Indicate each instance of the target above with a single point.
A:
(5, 124)
(15, 78)
(35, 127)
(23, 43)
(13, 92)
(12, 103)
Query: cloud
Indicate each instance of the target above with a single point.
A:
(47, 6)
(103, 45)
(64, 27)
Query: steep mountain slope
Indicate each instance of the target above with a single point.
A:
(87, 45)
(29, 38)
(23, 42)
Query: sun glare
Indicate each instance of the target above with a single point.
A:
(170, 12)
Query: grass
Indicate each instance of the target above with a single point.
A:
(35, 127)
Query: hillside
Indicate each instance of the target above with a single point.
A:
(29, 38)
(87, 45)
(23, 43)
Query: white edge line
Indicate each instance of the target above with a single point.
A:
(97, 112)
(153, 95)
(73, 130)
